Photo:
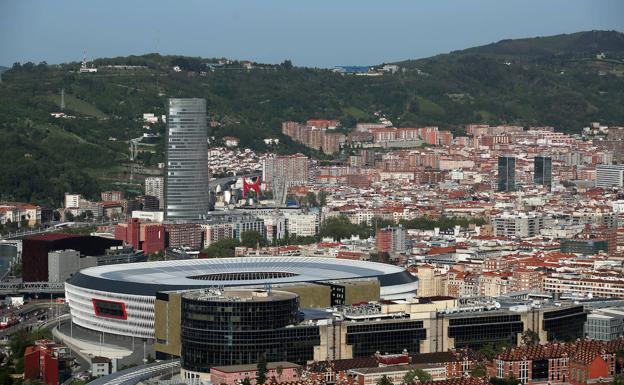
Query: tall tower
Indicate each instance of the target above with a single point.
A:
(542, 170)
(62, 99)
(506, 173)
(186, 181)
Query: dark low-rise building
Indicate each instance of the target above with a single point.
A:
(35, 251)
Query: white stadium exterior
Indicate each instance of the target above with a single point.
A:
(119, 299)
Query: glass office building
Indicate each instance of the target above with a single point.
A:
(565, 325)
(506, 173)
(385, 336)
(187, 176)
(542, 170)
(234, 327)
(476, 330)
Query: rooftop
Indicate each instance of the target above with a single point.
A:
(147, 278)
(239, 295)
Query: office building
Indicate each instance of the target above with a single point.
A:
(542, 168)
(506, 173)
(609, 175)
(35, 249)
(256, 322)
(146, 236)
(155, 187)
(605, 324)
(195, 325)
(62, 264)
(187, 176)
(247, 223)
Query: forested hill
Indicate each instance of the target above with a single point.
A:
(565, 81)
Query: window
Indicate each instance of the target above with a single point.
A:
(524, 372)
(109, 309)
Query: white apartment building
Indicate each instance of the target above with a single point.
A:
(610, 175)
(214, 232)
(517, 225)
(302, 224)
(155, 186)
(583, 286)
(293, 170)
(72, 200)
(275, 226)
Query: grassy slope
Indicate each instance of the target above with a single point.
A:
(552, 80)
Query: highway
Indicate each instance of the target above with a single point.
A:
(138, 373)
(34, 314)
(53, 227)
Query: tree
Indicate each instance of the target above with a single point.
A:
(222, 249)
(246, 381)
(261, 375)
(384, 381)
(299, 372)
(618, 379)
(322, 198)
(491, 350)
(340, 227)
(252, 239)
(311, 199)
(5, 376)
(418, 374)
(479, 370)
(287, 64)
(279, 370)
(530, 338)
(56, 216)
(619, 361)
(380, 223)
(69, 216)
(20, 340)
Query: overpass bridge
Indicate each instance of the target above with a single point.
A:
(12, 288)
(54, 228)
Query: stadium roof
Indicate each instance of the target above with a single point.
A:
(147, 278)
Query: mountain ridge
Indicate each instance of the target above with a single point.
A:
(557, 81)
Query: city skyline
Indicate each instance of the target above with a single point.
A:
(274, 31)
(228, 213)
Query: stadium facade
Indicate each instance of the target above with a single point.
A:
(120, 299)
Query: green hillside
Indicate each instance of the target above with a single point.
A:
(557, 80)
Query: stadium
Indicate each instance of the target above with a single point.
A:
(120, 299)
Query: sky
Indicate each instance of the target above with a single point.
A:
(318, 33)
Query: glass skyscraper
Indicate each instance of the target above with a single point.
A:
(186, 182)
(506, 173)
(542, 168)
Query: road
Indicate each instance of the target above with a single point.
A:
(139, 373)
(54, 227)
(34, 314)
